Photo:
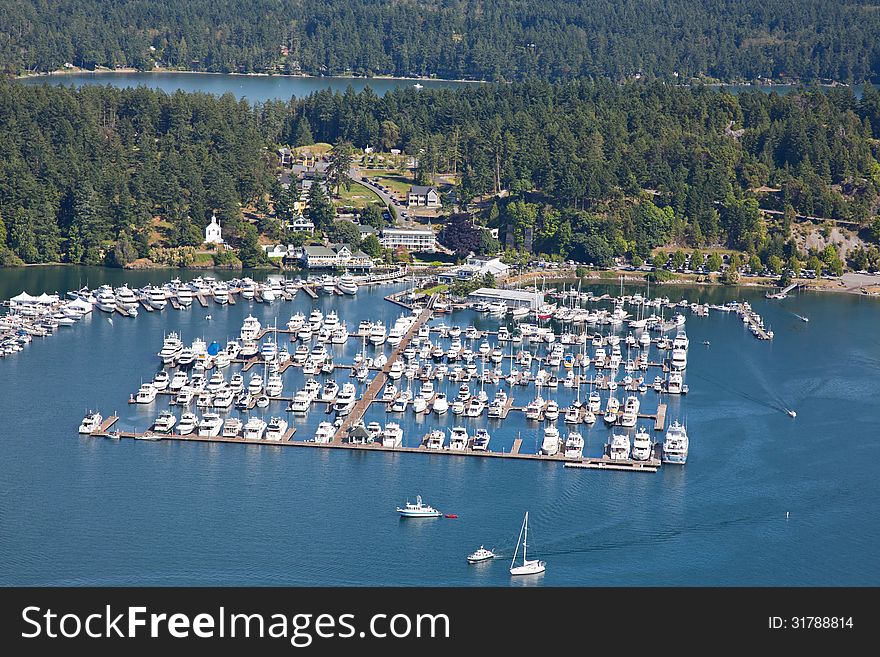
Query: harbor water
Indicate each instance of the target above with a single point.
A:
(764, 499)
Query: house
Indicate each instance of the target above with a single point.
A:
(424, 197)
(366, 231)
(334, 256)
(213, 233)
(300, 225)
(513, 298)
(417, 239)
(285, 157)
(278, 251)
(475, 267)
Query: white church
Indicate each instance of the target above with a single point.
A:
(213, 233)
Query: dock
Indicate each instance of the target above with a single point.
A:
(660, 418)
(308, 289)
(105, 426)
(202, 300)
(605, 463)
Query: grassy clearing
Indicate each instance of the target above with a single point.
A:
(394, 180)
(357, 196)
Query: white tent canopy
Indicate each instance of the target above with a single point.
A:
(47, 298)
(80, 304)
(24, 297)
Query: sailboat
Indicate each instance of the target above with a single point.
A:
(528, 567)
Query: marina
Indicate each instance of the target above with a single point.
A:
(734, 402)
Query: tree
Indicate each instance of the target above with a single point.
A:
(714, 262)
(249, 251)
(696, 259)
(730, 276)
(659, 260)
(303, 134)
(2, 233)
(637, 261)
(372, 216)
(678, 259)
(593, 249)
(345, 232)
(460, 235)
(341, 158)
(775, 264)
(21, 236)
(874, 230)
(755, 264)
(124, 251)
(371, 246)
(814, 264)
(580, 271)
(389, 135)
(320, 211)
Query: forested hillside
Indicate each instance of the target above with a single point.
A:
(482, 39)
(633, 166)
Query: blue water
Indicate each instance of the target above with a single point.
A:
(254, 88)
(86, 511)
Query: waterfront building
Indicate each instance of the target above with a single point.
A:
(423, 197)
(413, 239)
(213, 232)
(334, 256)
(513, 298)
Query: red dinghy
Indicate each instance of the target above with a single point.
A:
(451, 515)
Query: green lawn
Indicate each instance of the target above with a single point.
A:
(399, 184)
(357, 196)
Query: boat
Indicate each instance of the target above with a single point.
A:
(480, 555)
(189, 422)
(250, 328)
(231, 427)
(551, 411)
(156, 298)
(574, 445)
(165, 422)
(435, 440)
(161, 381)
(276, 429)
(675, 444)
(642, 446)
(91, 422)
(392, 435)
(254, 429)
(146, 394)
(550, 444)
(458, 439)
(324, 433)
(441, 404)
(481, 441)
(418, 510)
(618, 447)
(528, 566)
(345, 400)
(347, 285)
(630, 414)
(171, 348)
(210, 425)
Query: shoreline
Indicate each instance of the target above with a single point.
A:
(303, 76)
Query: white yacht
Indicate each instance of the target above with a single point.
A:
(210, 425)
(301, 403)
(274, 385)
(534, 408)
(184, 396)
(276, 428)
(165, 422)
(316, 320)
(551, 411)
(255, 385)
(674, 384)
(574, 445)
(267, 293)
(392, 435)
(161, 381)
(91, 423)
(642, 446)
(156, 298)
(184, 295)
(329, 391)
(105, 300)
(458, 439)
(231, 427)
(618, 447)
(679, 358)
(480, 555)
(146, 394)
(250, 328)
(435, 440)
(223, 398)
(481, 440)
(395, 335)
(418, 510)
(675, 444)
(630, 414)
(441, 404)
(269, 350)
(254, 429)
(345, 400)
(126, 298)
(325, 432)
(171, 348)
(296, 322)
(347, 285)
(189, 422)
(550, 444)
(377, 334)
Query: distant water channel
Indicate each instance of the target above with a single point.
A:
(83, 511)
(254, 88)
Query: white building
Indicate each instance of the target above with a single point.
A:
(412, 239)
(300, 225)
(476, 266)
(213, 233)
(422, 196)
(334, 256)
(513, 298)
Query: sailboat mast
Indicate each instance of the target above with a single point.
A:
(526, 537)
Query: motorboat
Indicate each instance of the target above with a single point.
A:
(250, 328)
(301, 402)
(550, 444)
(223, 398)
(171, 348)
(480, 555)
(630, 414)
(254, 429)
(618, 447)
(345, 400)
(161, 381)
(276, 428)
(165, 422)
(146, 394)
(210, 425)
(156, 298)
(551, 411)
(458, 439)
(642, 446)
(91, 422)
(347, 285)
(441, 404)
(675, 444)
(418, 510)
(574, 445)
(189, 422)
(324, 433)
(392, 435)
(435, 440)
(534, 408)
(263, 401)
(480, 442)
(232, 426)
